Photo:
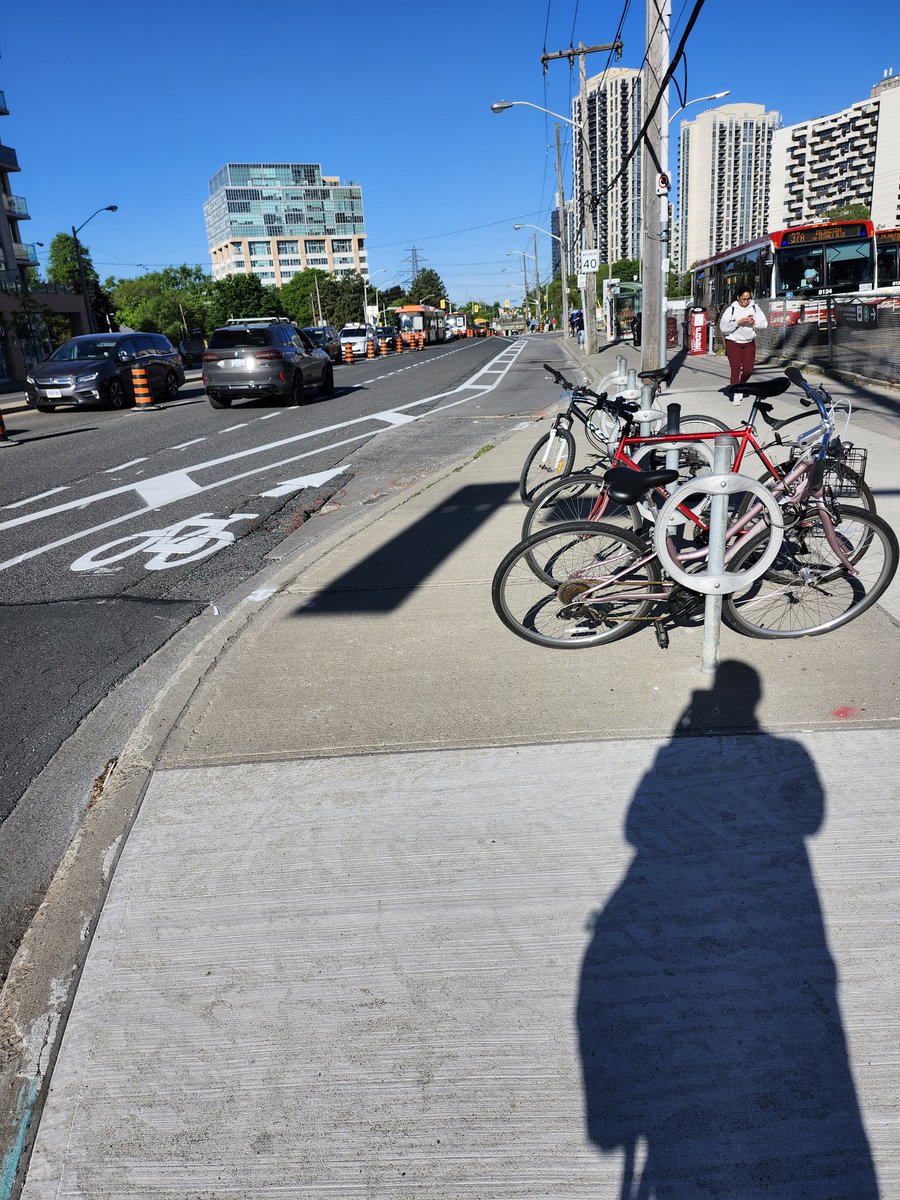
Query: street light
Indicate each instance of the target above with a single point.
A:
(537, 282)
(380, 271)
(589, 292)
(564, 278)
(92, 327)
(699, 100)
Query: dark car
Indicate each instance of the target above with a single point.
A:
(327, 338)
(95, 368)
(390, 333)
(263, 357)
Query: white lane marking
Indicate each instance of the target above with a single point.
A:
(34, 499)
(164, 489)
(394, 418)
(169, 487)
(184, 542)
(243, 425)
(193, 442)
(124, 466)
(269, 416)
(260, 594)
(295, 485)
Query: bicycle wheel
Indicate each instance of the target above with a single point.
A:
(808, 590)
(601, 576)
(551, 458)
(695, 423)
(575, 498)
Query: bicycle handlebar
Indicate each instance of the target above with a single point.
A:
(577, 390)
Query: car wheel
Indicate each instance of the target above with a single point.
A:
(219, 401)
(170, 388)
(326, 387)
(116, 396)
(45, 407)
(297, 387)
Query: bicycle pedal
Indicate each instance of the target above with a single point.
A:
(662, 636)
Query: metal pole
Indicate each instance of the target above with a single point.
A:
(563, 265)
(718, 520)
(525, 277)
(663, 117)
(89, 311)
(537, 283)
(650, 199)
(590, 279)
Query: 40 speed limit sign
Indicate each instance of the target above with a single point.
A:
(590, 261)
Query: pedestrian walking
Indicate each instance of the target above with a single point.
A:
(579, 327)
(533, 325)
(739, 323)
(553, 324)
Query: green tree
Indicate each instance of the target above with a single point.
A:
(240, 296)
(62, 267)
(427, 288)
(163, 301)
(300, 299)
(848, 212)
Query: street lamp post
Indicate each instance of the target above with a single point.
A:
(537, 282)
(92, 324)
(380, 271)
(563, 272)
(589, 294)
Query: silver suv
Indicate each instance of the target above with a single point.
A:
(263, 356)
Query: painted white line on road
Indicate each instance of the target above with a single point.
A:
(305, 481)
(164, 489)
(394, 418)
(34, 499)
(193, 442)
(269, 416)
(243, 425)
(124, 466)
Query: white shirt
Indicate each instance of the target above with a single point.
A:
(735, 312)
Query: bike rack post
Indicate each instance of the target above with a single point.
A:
(718, 520)
(673, 425)
(621, 364)
(646, 407)
(631, 381)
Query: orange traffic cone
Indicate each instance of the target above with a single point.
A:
(382, 347)
(399, 346)
(143, 397)
(5, 439)
(348, 353)
(370, 348)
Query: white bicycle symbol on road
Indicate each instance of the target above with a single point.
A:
(184, 542)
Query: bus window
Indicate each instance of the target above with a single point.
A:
(849, 266)
(888, 269)
(799, 269)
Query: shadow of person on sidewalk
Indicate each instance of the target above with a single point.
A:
(711, 1042)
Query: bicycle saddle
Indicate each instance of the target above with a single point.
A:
(660, 374)
(626, 486)
(768, 387)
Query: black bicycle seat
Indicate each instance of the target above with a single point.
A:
(764, 389)
(658, 375)
(626, 486)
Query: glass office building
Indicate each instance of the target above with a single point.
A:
(276, 219)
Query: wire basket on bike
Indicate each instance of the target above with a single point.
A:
(845, 469)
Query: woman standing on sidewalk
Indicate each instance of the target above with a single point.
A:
(739, 323)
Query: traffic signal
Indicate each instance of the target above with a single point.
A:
(443, 303)
(475, 307)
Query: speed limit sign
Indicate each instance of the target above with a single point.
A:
(590, 261)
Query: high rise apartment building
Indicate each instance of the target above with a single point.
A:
(852, 156)
(724, 157)
(611, 126)
(276, 219)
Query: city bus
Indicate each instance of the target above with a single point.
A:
(797, 268)
(414, 319)
(457, 324)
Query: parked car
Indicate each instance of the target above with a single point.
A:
(95, 369)
(390, 332)
(357, 336)
(327, 338)
(191, 349)
(270, 357)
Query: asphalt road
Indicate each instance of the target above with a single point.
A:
(118, 528)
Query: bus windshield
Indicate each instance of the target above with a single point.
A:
(810, 270)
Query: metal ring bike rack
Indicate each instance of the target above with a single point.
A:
(708, 584)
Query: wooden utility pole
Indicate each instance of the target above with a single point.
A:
(654, 200)
(587, 185)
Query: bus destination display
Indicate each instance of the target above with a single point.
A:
(822, 233)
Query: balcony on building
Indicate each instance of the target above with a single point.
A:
(26, 254)
(15, 206)
(8, 159)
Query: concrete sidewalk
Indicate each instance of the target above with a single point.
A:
(414, 908)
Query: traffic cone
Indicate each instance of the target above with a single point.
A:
(143, 397)
(5, 439)
(399, 346)
(370, 348)
(382, 347)
(348, 353)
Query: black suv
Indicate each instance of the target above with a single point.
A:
(327, 338)
(264, 356)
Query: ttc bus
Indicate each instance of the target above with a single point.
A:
(792, 267)
(414, 319)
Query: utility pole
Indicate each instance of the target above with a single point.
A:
(654, 190)
(563, 266)
(525, 277)
(587, 187)
(537, 283)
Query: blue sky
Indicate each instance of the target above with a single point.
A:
(140, 105)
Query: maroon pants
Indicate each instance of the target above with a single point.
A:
(741, 357)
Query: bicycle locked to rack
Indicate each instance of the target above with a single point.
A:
(601, 417)
(796, 560)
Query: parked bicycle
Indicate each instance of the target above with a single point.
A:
(585, 583)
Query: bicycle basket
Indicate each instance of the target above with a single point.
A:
(845, 469)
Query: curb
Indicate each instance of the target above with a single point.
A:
(42, 982)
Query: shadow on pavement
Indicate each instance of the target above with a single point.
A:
(712, 1047)
(383, 580)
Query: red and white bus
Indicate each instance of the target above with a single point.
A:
(414, 319)
(799, 266)
(457, 324)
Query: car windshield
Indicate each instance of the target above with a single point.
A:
(93, 348)
(315, 335)
(353, 331)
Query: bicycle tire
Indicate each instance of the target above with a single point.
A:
(573, 498)
(546, 615)
(807, 591)
(535, 473)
